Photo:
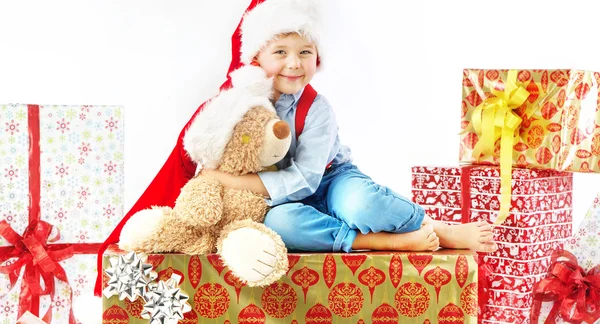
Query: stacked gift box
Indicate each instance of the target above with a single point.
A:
(539, 222)
(61, 194)
(374, 287)
(522, 130)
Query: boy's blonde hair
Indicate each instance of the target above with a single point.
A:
(273, 19)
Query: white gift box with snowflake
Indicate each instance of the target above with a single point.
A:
(61, 194)
(575, 276)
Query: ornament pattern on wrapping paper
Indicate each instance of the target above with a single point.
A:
(211, 300)
(345, 299)
(354, 261)
(438, 278)
(385, 314)
(329, 270)
(305, 278)
(195, 271)
(395, 270)
(461, 270)
(371, 277)
(115, 315)
(420, 261)
(235, 282)
(412, 299)
(251, 314)
(468, 299)
(279, 300)
(134, 308)
(292, 260)
(64, 169)
(318, 314)
(451, 314)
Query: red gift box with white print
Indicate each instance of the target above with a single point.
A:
(540, 221)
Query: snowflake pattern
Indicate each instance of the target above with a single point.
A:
(78, 196)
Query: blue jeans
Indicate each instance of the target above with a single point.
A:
(346, 202)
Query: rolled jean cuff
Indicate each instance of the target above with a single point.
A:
(344, 239)
(414, 223)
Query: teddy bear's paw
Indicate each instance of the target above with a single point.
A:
(257, 257)
(141, 228)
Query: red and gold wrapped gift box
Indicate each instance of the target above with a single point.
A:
(439, 287)
(540, 221)
(560, 128)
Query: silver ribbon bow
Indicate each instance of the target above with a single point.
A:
(166, 303)
(129, 276)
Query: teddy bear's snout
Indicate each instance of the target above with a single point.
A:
(281, 129)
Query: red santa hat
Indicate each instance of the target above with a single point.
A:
(274, 17)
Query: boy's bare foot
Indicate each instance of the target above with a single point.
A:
(424, 239)
(476, 236)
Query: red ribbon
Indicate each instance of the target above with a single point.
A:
(575, 293)
(31, 249)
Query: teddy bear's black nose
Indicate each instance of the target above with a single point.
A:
(281, 129)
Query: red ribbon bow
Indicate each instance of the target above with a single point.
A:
(39, 260)
(575, 293)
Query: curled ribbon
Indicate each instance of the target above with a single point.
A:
(494, 119)
(575, 293)
(39, 259)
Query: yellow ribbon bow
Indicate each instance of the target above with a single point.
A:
(493, 119)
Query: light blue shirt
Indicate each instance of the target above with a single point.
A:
(301, 171)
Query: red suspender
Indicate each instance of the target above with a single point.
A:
(306, 100)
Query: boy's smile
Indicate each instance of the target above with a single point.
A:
(292, 60)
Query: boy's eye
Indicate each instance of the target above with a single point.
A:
(280, 52)
(306, 52)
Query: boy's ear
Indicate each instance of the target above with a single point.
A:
(254, 63)
(318, 60)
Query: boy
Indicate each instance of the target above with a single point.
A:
(322, 202)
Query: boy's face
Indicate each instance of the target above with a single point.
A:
(291, 61)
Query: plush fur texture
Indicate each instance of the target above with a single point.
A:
(209, 133)
(204, 210)
(275, 17)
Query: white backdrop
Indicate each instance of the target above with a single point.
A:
(392, 70)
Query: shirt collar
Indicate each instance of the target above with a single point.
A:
(287, 101)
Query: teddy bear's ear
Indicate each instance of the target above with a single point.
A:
(253, 79)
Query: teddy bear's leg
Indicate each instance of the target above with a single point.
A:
(200, 202)
(204, 242)
(255, 253)
(143, 232)
(243, 204)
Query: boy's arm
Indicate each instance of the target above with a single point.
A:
(316, 147)
(250, 182)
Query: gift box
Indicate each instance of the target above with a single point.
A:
(374, 287)
(570, 291)
(61, 194)
(539, 222)
(559, 113)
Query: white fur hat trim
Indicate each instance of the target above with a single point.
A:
(274, 17)
(209, 133)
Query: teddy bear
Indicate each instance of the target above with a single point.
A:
(237, 132)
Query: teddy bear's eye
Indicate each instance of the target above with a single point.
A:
(245, 139)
